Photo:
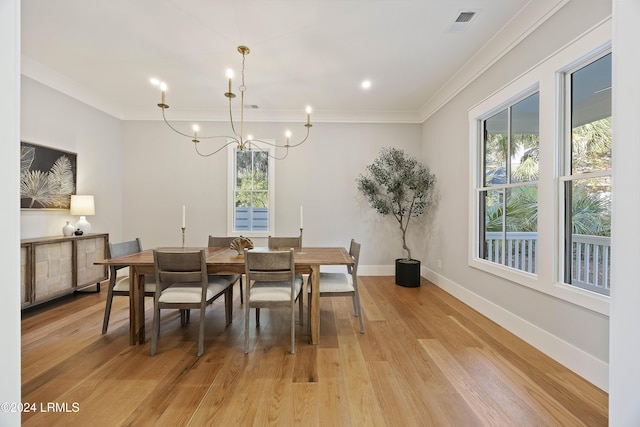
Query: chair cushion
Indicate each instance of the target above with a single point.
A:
(122, 284)
(191, 293)
(336, 282)
(275, 291)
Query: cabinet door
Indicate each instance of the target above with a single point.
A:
(53, 270)
(25, 275)
(90, 250)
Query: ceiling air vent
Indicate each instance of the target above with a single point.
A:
(251, 106)
(461, 22)
(465, 16)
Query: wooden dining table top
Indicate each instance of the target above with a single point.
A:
(228, 256)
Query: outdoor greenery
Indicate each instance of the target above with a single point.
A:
(591, 210)
(252, 179)
(397, 184)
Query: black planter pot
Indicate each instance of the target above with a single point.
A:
(408, 272)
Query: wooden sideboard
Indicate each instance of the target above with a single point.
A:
(51, 267)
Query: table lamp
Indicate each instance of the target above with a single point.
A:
(82, 205)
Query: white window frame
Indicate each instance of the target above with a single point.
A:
(476, 168)
(564, 151)
(480, 188)
(546, 75)
(231, 183)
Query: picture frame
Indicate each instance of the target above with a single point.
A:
(47, 177)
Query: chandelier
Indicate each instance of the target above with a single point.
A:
(238, 138)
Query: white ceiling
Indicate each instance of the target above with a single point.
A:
(303, 52)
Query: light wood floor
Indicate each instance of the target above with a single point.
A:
(425, 360)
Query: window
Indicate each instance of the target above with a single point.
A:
(586, 176)
(508, 191)
(251, 198)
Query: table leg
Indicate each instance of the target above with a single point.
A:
(315, 304)
(136, 307)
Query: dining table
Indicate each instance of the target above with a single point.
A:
(308, 260)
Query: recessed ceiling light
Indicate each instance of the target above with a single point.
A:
(366, 84)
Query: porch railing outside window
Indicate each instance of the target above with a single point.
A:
(591, 260)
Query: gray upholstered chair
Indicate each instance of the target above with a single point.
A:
(119, 286)
(183, 283)
(225, 242)
(284, 242)
(343, 284)
(271, 282)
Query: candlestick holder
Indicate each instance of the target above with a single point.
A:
(183, 230)
(300, 250)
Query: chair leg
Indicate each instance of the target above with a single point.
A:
(257, 316)
(155, 331)
(228, 304)
(241, 292)
(107, 311)
(358, 310)
(293, 329)
(201, 330)
(309, 313)
(247, 314)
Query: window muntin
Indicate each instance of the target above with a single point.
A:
(508, 200)
(587, 177)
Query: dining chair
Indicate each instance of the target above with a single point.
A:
(225, 242)
(271, 282)
(119, 286)
(183, 283)
(342, 284)
(285, 242)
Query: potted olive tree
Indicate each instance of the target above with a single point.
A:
(397, 184)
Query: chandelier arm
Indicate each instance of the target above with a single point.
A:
(172, 128)
(199, 136)
(257, 147)
(303, 141)
(282, 146)
(213, 152)
(233, 126)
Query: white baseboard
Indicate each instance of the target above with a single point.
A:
(587, 366)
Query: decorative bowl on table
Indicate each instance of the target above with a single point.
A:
(240, 243)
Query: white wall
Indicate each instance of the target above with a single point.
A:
(162, 172)
(53, 119)
(624, 398)
(577, 337)
(9, 185)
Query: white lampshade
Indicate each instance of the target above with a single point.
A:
(82, 205)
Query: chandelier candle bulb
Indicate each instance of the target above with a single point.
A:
(301, 217)
(230, 76)
(163, 88)
(196, 128)
(184, 211)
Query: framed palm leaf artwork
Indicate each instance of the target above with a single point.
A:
(47, 177)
